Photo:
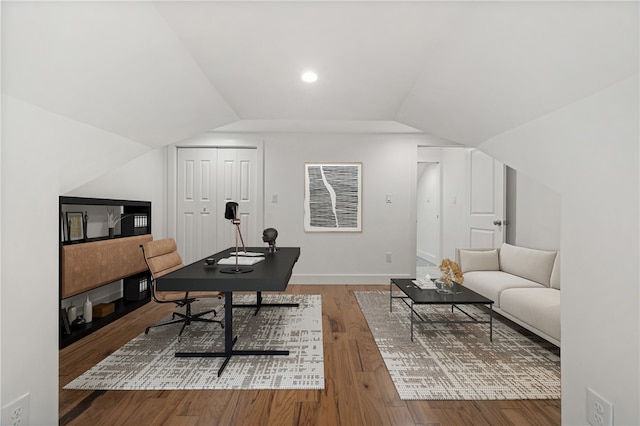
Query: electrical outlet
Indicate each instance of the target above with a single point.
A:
(17, 412)
(388, 255)
(599, 410)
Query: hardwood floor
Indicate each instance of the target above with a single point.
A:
(358, 388)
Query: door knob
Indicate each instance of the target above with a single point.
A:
(497, 222)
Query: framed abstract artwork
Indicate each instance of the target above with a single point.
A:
(333, 197)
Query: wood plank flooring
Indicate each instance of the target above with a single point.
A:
(358, 388)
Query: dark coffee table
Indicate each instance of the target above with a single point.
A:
(413, 295)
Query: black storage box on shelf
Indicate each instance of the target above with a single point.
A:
(135, 224)
(137, 287)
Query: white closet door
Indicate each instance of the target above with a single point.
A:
(207, 179)
(197, 203)
(238, 182)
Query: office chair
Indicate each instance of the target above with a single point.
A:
(162, 257)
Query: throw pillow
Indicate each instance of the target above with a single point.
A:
(532, 264)
(479, 260)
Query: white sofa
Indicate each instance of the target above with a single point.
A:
(524, 284)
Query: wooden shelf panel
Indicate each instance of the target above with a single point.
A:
(90, 265)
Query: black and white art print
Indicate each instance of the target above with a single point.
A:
(333, 197)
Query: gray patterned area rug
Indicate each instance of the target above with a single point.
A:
(148, 363)
(457, 361)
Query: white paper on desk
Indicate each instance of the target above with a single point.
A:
(244, 261)
(424, 284)
(247, 253)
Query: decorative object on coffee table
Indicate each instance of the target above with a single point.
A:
(451, 274)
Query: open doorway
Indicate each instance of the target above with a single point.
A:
(428, 211)
(460, 199)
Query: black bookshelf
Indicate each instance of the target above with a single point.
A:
(135, 219)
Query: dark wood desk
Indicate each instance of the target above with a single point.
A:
(272, 274)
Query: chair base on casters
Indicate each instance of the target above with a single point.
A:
(186, 318)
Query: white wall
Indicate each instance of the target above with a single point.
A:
(43, 156)
(588, 153)
(537, 210)
(388, 166)
(144, 179)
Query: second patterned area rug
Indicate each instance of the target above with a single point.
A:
(148, 363)
(457, 361)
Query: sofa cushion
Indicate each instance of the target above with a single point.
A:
(491, 283)
(479, 260)
(538, 307)
(532, 264)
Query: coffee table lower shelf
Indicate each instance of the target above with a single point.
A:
(413, 295)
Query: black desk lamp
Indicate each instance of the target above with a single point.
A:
(231, 213)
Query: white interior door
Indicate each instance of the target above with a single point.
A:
(486, 205)
(237, 181)
(206, 179)
(197, 203)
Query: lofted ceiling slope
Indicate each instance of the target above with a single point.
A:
(160, 72)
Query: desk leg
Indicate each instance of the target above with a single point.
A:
(229, 340)
(259, 304)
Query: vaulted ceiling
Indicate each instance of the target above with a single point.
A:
(160, 72)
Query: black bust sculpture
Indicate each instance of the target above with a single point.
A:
(269, 236)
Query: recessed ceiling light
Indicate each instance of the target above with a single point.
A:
(309, 76)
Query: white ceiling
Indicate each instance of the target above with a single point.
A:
(160, 72)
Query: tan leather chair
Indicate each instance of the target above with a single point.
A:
(162, 257)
